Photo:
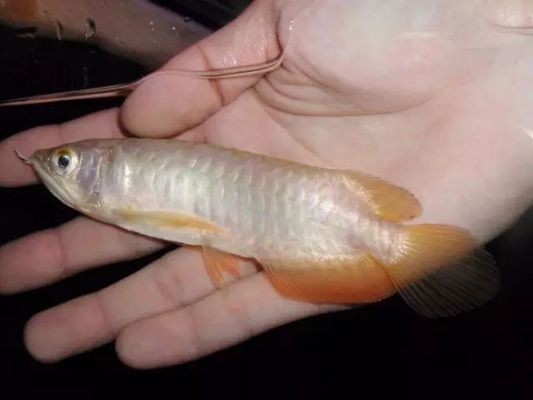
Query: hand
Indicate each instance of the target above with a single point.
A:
(425, 94)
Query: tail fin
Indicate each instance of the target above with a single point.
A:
(441, 271)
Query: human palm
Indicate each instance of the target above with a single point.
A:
(425, 94)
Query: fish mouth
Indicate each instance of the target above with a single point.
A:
(47, 179)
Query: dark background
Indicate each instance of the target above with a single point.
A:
(383, 349)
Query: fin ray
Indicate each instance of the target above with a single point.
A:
(452, 290)
(441, 272)
(218, 263)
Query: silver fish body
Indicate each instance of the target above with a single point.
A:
(263, 206)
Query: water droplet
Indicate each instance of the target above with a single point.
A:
(90, 26)
(27, 33)
(186, 18)
(59, 30)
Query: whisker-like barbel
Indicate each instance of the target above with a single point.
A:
(26, 160)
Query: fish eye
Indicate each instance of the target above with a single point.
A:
(63, 161)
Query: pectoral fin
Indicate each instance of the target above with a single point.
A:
(166, 219)
(358, 279)
(387, 201)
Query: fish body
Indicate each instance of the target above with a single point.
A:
(321, 235)
(258, 206)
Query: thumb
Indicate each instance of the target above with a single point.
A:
(168, 104)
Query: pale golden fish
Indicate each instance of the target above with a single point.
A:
(321, 235)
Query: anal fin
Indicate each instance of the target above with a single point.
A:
(356, 279)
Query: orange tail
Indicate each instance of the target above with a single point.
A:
(441, 271)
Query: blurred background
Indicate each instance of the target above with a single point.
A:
(383, 349)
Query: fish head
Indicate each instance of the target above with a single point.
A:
(71, 172)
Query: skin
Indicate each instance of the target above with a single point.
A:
(423, 93)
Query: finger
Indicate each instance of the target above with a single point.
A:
(13, 172)
(224, 318)
(173, 281)
(52, 254)
(168, 104)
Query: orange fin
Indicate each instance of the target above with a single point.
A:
(167, 219)
(218, 263)
(440, 271)
(387, 201)
(357, 279)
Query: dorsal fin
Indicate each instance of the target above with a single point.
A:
(387, 201)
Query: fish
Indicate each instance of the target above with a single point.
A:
(319, 234)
